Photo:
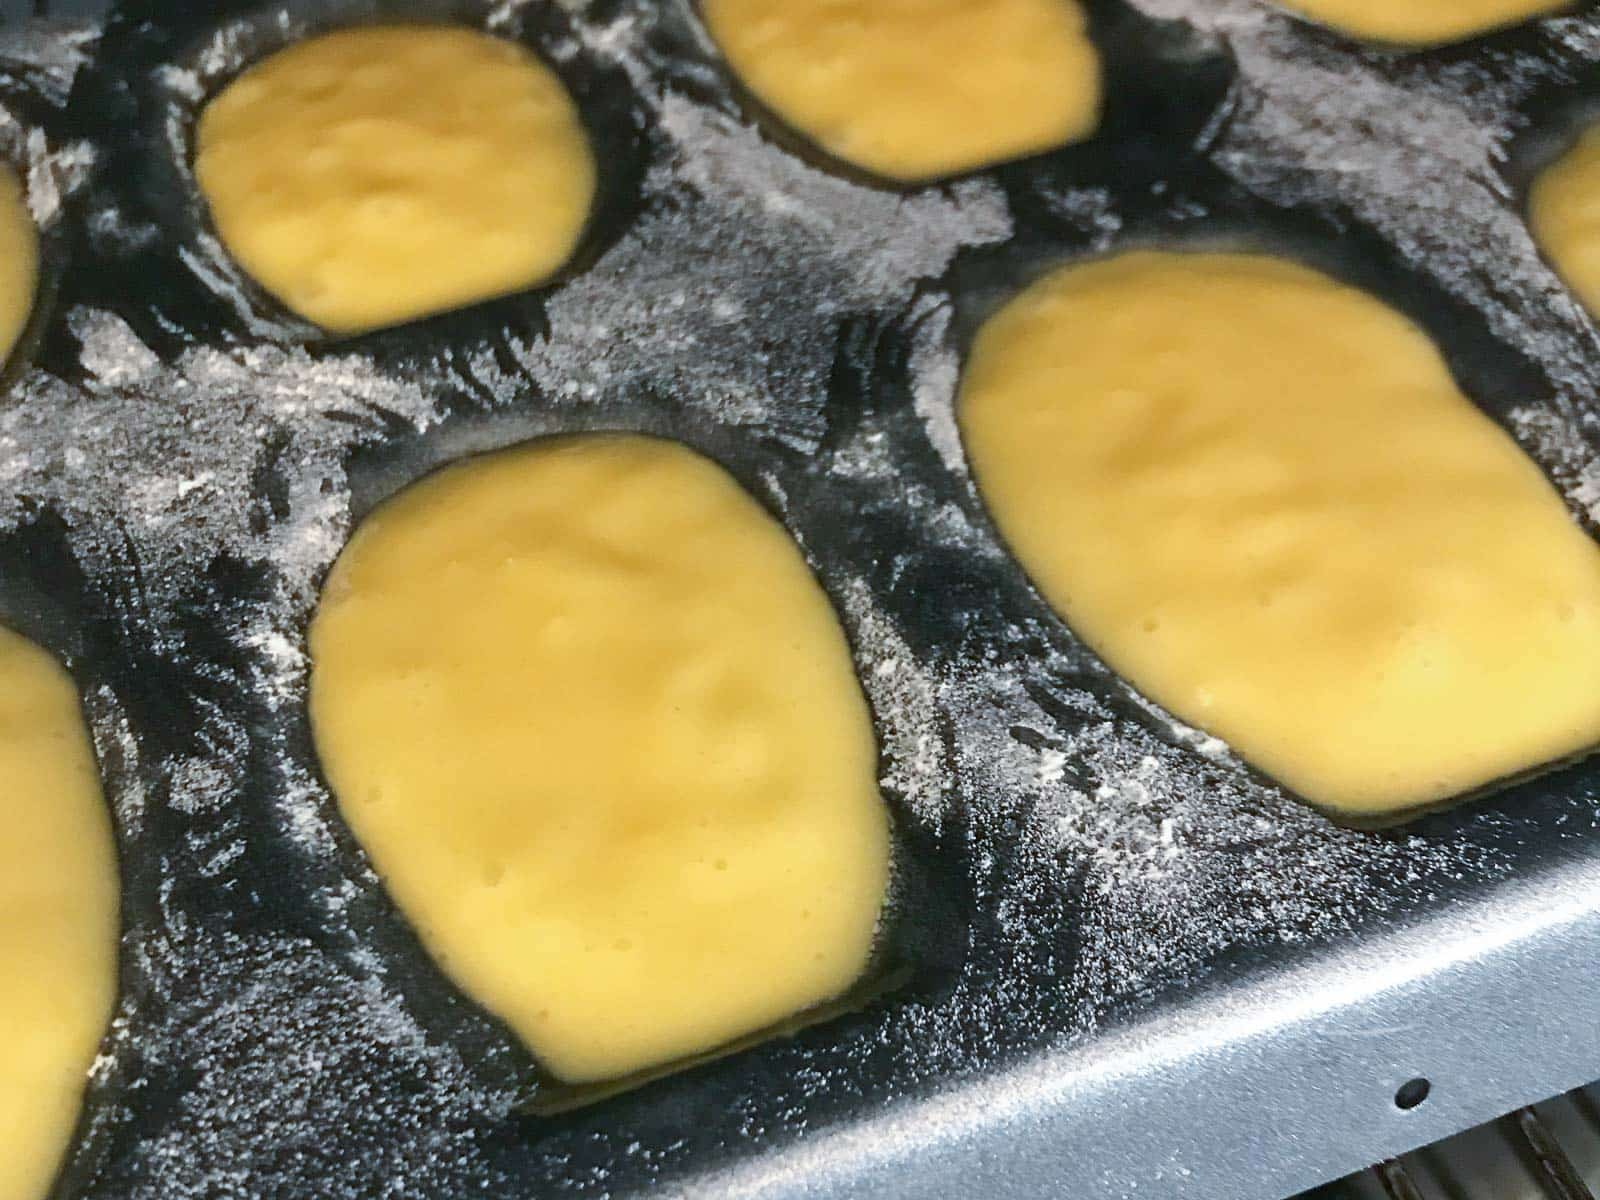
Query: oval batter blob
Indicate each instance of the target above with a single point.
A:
(597, 726)
(379, 174)
(1260, 496)
(914, 90)
(19, 262)
(1564, 216)
(1421, 22)
(58, 916)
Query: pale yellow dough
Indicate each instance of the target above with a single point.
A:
(597, 727)
(917, 89)
(58, 916)
(1421, 22)
(1564, 215)
(19, 262)
(375, 175)
(1261, 497)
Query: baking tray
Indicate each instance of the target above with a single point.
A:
(1143, 969)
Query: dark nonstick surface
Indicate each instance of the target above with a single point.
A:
(182, 462)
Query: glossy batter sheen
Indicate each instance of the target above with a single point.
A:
(1421, 22)
(1261, 497)
(917, 89)
(19, 262)
(1564, 215)
(598, 728)
(58, 916)
(374, 175)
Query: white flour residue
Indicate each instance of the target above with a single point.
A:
(114, 741)
(112, 354)
(1160, 842)
(1121, 824)
(904, 701)
(173, 452)
(302, 1022)
(198, 784)
(1560, 445)
(51, 55)
(48, 171)
(1103, 853)
(1587, 491)
(51, 52)
(935, 370)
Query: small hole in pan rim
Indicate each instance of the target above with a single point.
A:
(1412, 1093)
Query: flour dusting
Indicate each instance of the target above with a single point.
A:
(181, 466)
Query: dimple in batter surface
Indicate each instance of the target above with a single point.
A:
(917, 89)
(1261, 497)
(598, 729)
(58, 916)
(374, 175)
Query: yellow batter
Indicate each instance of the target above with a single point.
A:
(598, 729)
(19, 262)
(58, 916)
(917, 89)
(1421, 22)
(374, 175)
(1564, 215)
(1260, 496)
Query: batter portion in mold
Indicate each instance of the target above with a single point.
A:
(58, 916)
(598, 729)
(1421, 22)
(378, 174)
(1564, 216)
(914, 90)
(1260, 496)
(19, 262)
